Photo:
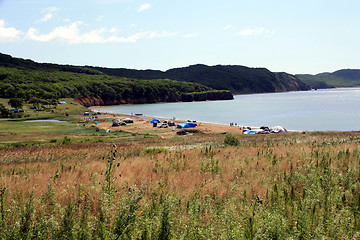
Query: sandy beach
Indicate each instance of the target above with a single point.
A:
(142, 125)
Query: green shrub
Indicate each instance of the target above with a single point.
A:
(66, 140)
(231, 140)
(153, 151)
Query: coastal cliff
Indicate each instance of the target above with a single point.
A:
(185, 97)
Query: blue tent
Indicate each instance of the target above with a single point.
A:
(155, 121)
(186, 125)
(254, 131)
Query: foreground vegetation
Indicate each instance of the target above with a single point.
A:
(285, 186)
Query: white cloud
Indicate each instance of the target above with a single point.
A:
(255, 31)
(72, 34)
(227, 27)
(49, 13)
(144, 7)
(47, 17)
(190, 35)
(133, 38)
(249, 32)
(50, 10)
(113, 30)
(8, 34)
(156, 34)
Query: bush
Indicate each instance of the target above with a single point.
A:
(231, 140)
(66, 140)
(4, 113)
(16, 103)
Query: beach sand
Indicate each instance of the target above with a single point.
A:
(142, 125)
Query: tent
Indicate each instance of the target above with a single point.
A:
(155, 121)
(253, 131)
(115, 122)
(277, 129)
(186, 125)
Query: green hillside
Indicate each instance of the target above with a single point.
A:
(237, 79)
(340, 78)
(45, 83)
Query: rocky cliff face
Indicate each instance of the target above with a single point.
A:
(187, 97)
(90, 101)
(94, 101)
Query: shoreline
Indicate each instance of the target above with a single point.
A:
(142, 125)
(313, 113)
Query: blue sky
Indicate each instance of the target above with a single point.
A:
(307, 36)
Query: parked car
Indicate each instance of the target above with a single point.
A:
(128, 120)
(181, 132)
(163, 125)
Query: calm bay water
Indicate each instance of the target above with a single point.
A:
(321, 110)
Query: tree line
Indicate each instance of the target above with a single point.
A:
(47, 85)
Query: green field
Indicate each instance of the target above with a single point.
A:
(19, 132)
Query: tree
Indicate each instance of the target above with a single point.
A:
(4, 113)
(16, 103)
(35, 101)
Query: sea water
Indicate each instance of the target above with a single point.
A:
(321, 110)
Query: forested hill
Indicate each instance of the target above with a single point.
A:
(26, 79)
(237, 79)
(27, 64)
(340, 78)
(42, 84)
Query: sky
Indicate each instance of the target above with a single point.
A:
(299, 36)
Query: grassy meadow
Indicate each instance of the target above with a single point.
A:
(61, 181)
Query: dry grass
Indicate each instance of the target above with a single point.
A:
(197, 181)
(256, 164)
